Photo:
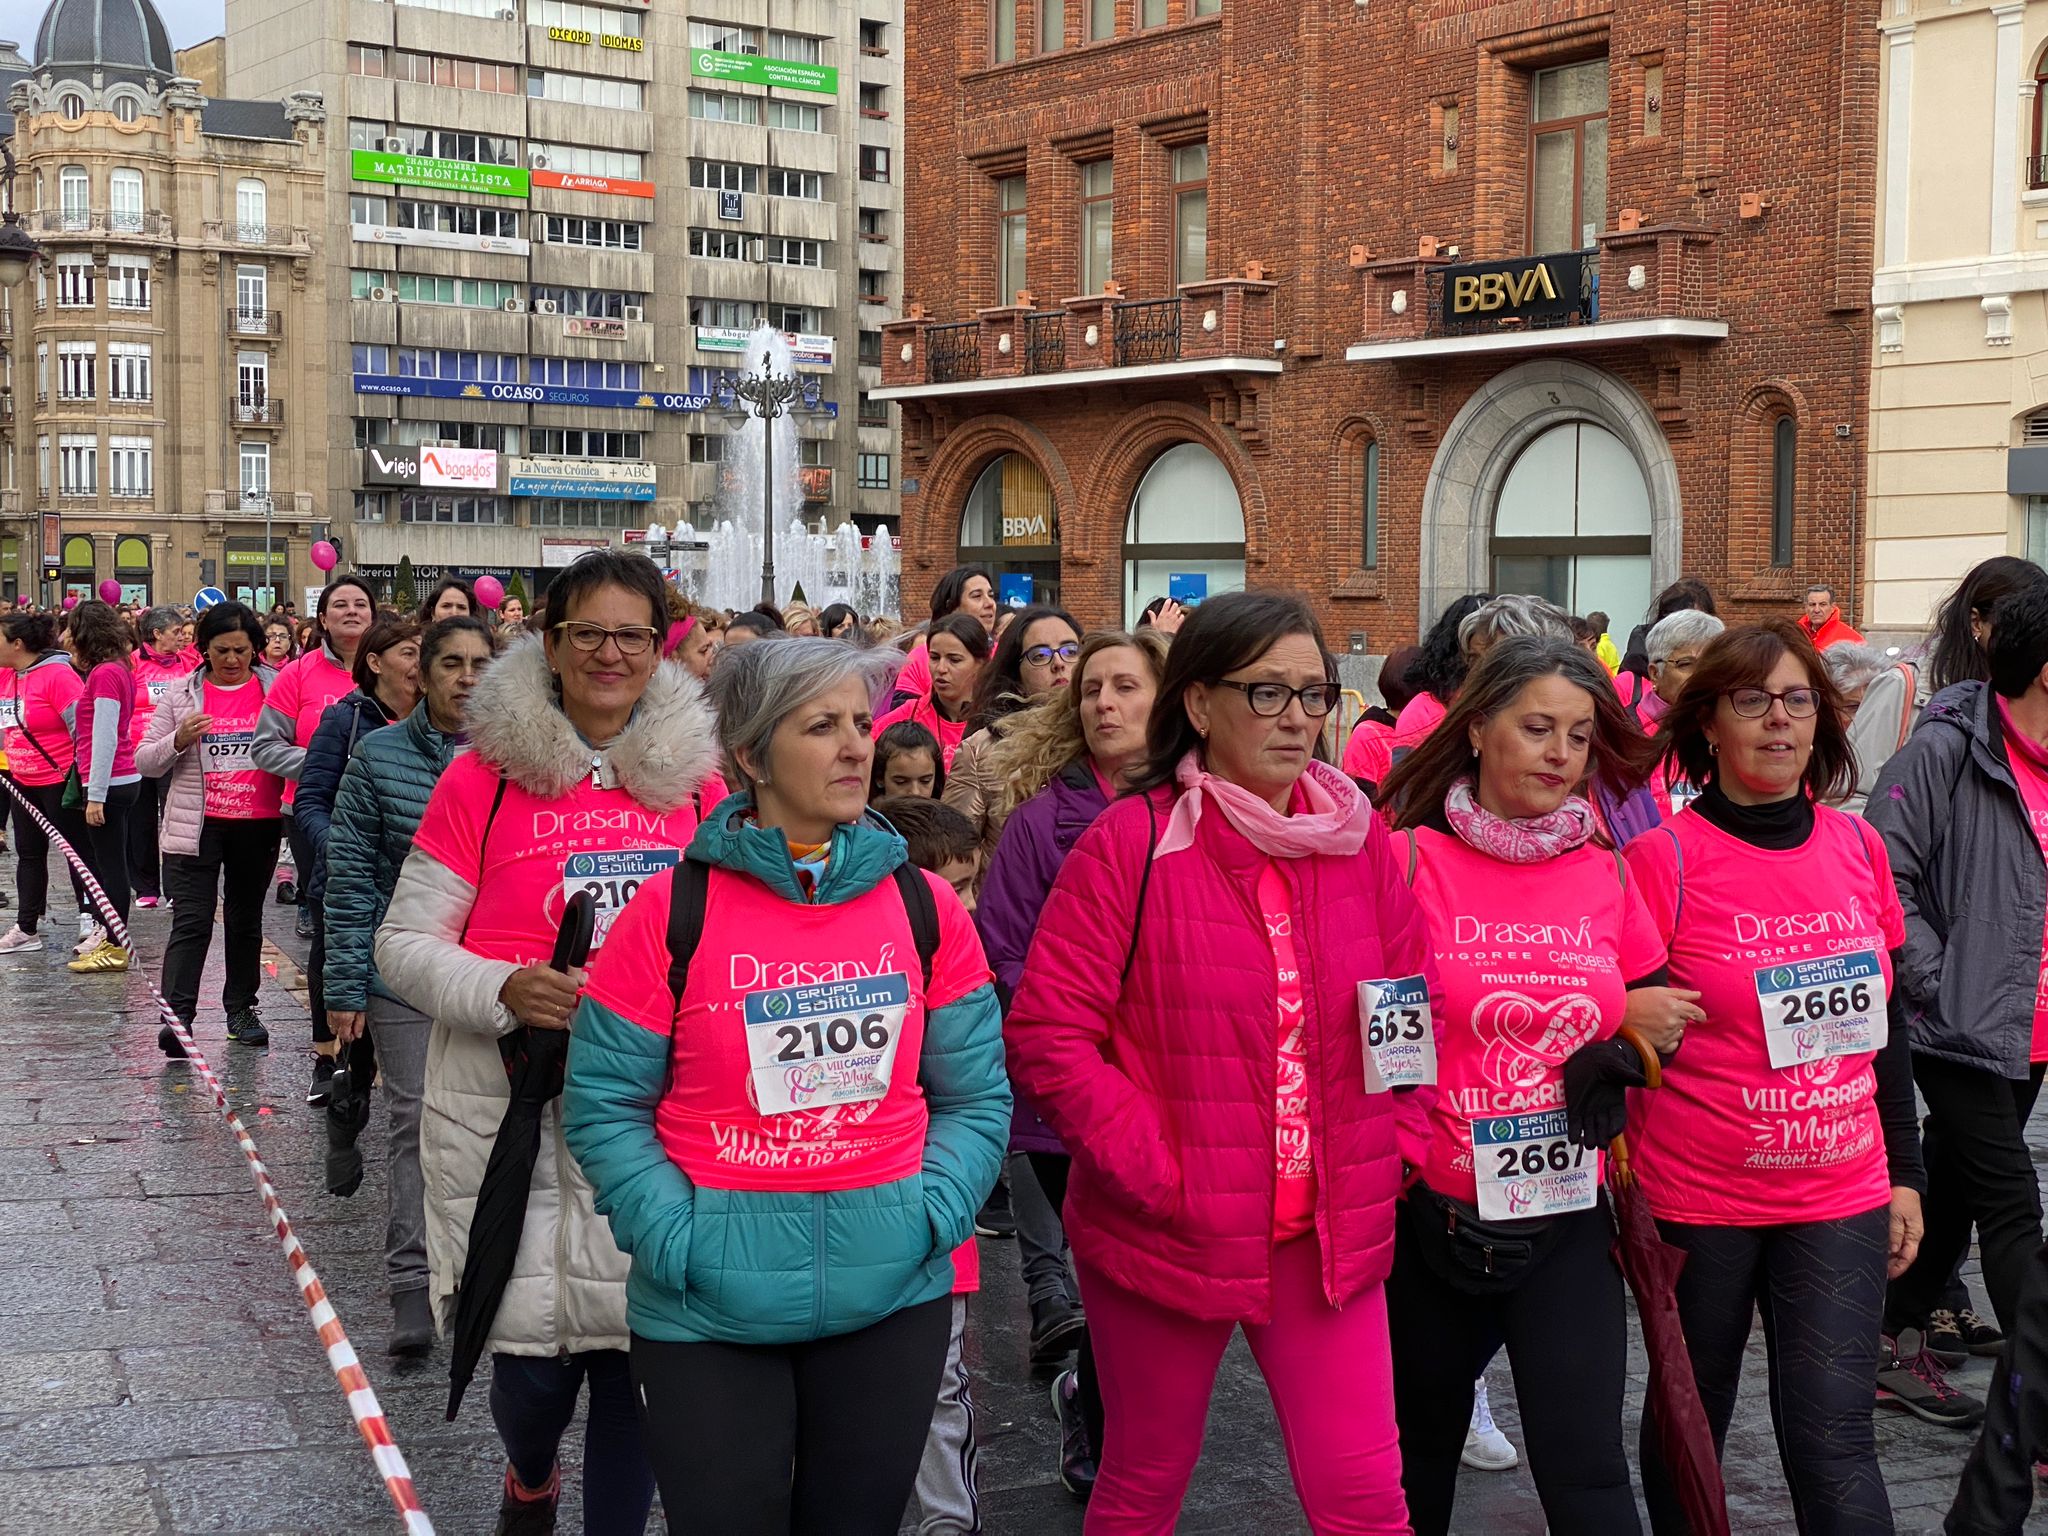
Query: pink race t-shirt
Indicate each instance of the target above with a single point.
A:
(155, 676)
(950, 732)
(236, 789)
(1369, 754)
(2030, 772)
(1729, 1139)
(1419, 716)
(1294, 1197)
(302, 692)
(767, 971)
(1535, 961)
(114, 682)
(39, 746)
(537, 853)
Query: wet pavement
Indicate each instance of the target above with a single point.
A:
(158, 1373)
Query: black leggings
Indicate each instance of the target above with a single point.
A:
(32, 852)
(1052, 1169)
(316, 977)
(144, 860)
(814, 1439)
(232, 868)
(1567, 1339)
(1820, 1288)
(106, 846)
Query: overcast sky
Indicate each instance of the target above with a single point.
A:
(191, 21)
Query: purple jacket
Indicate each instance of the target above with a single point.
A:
(1035, 843)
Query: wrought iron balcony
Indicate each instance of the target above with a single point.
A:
(256, 322)
(1147, 332)
(265, 412)
(1045, 343)
(954, 352)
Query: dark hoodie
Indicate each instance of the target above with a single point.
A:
(1972, 883)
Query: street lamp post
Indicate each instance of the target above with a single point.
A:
(766, 394)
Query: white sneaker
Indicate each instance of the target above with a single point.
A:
(1486, 1448)
(15, 942)
(90, 938)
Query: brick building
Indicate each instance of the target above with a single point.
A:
(1387, 300)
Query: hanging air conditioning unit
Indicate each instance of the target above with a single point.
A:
(545, 306)
(447, 442)
(382, 295)
(515, 306)
(635, 312)
(508, 14)
(392, 146)
(757, 249)
(537, 160)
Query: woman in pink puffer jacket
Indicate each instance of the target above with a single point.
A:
(1189, 1022)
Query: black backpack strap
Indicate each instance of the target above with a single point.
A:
(924, 914)
(686, 899)
(1144, 884)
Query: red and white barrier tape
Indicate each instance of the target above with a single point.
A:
(348, 1371)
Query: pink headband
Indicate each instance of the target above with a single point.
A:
(677, 634)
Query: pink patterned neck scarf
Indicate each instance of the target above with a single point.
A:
(1330, 815)
(1527, 841)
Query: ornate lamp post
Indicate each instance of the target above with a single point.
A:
(766, 394)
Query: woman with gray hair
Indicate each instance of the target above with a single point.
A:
(1879, 692)
(786, 1087)
(1512, 613)
(1674, 645)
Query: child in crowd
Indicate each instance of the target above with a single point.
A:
(944, 842)
(908, 762)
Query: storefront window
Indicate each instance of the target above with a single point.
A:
(1573, 523)
(1185, 538)
(1011, 526)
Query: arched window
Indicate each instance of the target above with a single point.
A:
(252, 210)
(2037, 151)
(1573, 522)
(133, 567)
(126, 109)
(1010, 525)
(1185, 538)
(1784, 487)
(79, 566)
(124, 197)
(74, 197)
(71, 106)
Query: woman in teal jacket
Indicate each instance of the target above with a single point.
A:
(377, 807)
(786, 1088)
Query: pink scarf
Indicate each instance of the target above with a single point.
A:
(1530, 840)
(1334, 816)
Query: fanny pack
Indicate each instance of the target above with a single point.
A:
(1471, 1254)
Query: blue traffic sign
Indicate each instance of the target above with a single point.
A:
(206, 597)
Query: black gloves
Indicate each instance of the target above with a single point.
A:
(1597, 1078)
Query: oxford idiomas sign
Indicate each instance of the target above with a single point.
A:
(751, 69)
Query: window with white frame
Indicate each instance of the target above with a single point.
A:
(77, 364)
(724, 314)
(785, 251)
(255, 458)
(602, 234)
(796, 48)
(799, 318)
(707, 447)
(128, 466)
(605, 303)
(725, 37)
(725, 107)
(74, 282)
(128, 370)
(252, 381)
(74, 197)
(795, 116)
(126, 109)
(445, 363)
(585, 90)
(724, 176)
(625, 164)
(808, 185)
(551, 512)
(453, 218)
(582, 373)
(252, 209)
(42, 371)
(127, 284)
(718, 244)
(428, 507)
(599, 19)
(588, 443)
(43, 465)
(124, 199)
(78, 464)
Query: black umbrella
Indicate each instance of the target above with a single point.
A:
(534, 1061)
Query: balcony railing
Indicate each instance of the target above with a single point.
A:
(955, 352)
(96, 221)
(259, 413)
(1533, 294)
(1045, 343)
(256, 322)
(2037, 171)
(1148, 332)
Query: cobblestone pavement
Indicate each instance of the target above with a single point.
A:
(158, 1374)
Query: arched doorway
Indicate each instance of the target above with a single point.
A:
(133, 568)
(80, 576)
(1185, 537)
(1011, 525)
(1572, 523)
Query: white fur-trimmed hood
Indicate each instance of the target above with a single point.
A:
(516, 724)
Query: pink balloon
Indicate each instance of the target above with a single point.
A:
(70, 602)
(490, 591)
(325, 555)
(110, 591)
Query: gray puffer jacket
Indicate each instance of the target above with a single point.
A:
(1971, 880)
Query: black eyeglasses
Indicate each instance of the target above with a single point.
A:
(1042, 655)
(1269, 700)
(632, 640)
(1755, 703)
